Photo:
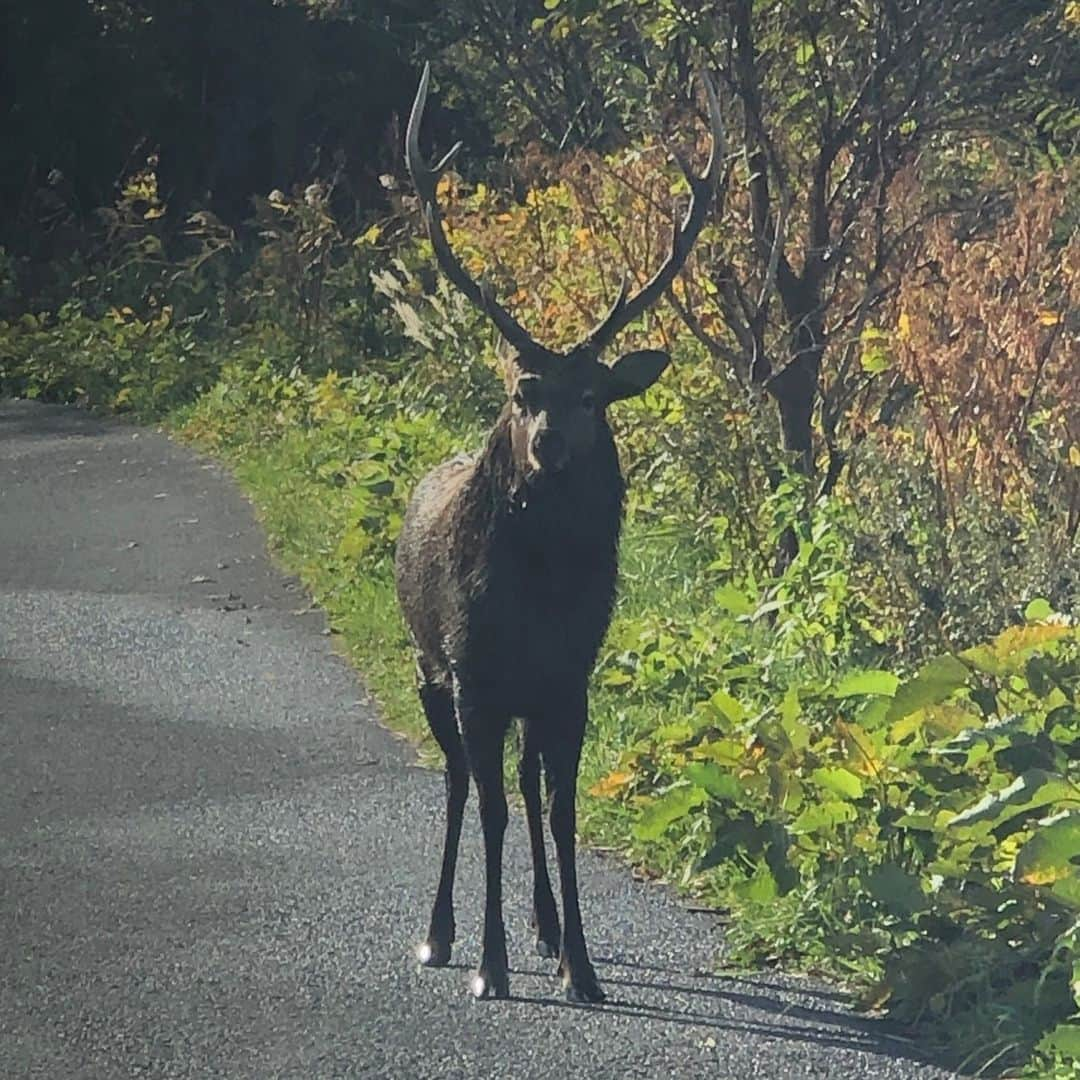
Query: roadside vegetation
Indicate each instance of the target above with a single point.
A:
(840, 700)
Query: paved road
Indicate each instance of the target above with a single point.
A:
(213, 862)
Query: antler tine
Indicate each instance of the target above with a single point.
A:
(425, 179)
(624, 311)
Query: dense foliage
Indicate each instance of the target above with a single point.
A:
(841, 696)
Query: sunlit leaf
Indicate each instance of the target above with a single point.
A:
(718, 782)
(612, 784)
(1051, 854)
(858, 683)
(658, 816)
(838, 781)
(933, 683)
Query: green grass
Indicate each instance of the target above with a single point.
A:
(688, 666)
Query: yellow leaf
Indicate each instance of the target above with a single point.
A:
(370, 236)
(1049, 318)
(1074, 455)
(153, 213)
(611, 784)
(903, 326)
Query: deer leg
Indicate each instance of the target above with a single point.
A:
(545, 917)
(438, 705)
(484, 752)
(562, 752)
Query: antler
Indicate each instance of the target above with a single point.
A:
(425, 179)
(625, 309)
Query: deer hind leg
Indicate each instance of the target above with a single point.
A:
(484, 734)
(545, 916)
(438, 705)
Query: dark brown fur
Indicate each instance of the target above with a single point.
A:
(507, 585)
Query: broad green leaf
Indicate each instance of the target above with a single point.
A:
(860, 683)
(825, 815)
(1038, 609)
(658, 816)
(933, 683)
(733, 600)
(1063, 1040)
(1067, 891)
(728, 706)
(791, 721)
(760, 889)
(936, 722)
(672, 734)
(1052, 854)
(838, 781)
(718, 782)
(790, 707)
(1034, 789)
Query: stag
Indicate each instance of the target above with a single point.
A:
(506, 569)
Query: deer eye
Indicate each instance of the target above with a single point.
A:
(588, 401)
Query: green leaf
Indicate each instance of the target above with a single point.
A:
(791, 720)
(760, 889)
(1067, 891)
(728, 706)
(1063, 1040)
(1034, 789)
(875, 360)
(804, 53)
(859, 683)
(838, 781)
(733, 600)
(1052, 854)
(658, 816)
(822, 816)
(1038, 610)
(718, 782)
(933, 683)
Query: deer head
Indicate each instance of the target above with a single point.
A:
(557, 399)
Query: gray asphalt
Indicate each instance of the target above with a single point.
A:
(214, 862)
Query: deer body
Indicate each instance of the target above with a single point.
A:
(518, 577)
(506, 567)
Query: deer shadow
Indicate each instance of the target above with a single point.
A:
(728, 1004)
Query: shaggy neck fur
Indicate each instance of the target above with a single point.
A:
(576, 513)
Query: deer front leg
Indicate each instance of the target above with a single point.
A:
(483, 736)
(562, 752)
(545, 917)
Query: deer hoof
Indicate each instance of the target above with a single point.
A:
(585, 992)
(433, 953)
(487, 985)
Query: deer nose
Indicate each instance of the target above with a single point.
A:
(549, 449)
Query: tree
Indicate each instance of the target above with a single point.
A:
(827, 190)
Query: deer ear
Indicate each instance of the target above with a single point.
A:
(635, 372)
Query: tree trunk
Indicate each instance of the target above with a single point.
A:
(794, 389)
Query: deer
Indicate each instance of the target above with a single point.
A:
(506, 568)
